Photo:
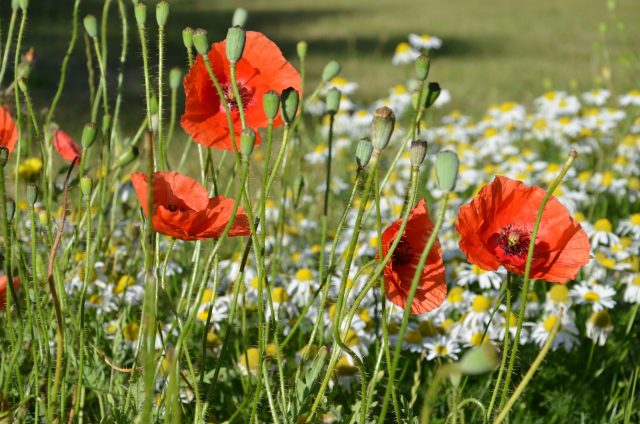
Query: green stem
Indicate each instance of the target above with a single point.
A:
(7, 47)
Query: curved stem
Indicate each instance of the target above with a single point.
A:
(505, 347)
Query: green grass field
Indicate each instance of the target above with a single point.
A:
(493, 51)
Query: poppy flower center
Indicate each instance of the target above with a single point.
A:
(514, 241)
(174, 208)
(231, 98)
(403, 253)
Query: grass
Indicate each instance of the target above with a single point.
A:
(493, 51)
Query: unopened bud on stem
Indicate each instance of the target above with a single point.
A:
(247, 141)
(200, 41)
(235, 43)
(331, 70)
(271, 103)
(364, 149)
(91, 26)
(383, 122)
(417, 152)
(290, 100)
(333, 100)
(446, 170)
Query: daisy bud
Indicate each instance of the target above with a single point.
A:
(4, 156)
(383, 122)
(200, 41)
(86, 185)
(32, 194)
(363, 152)
(446, 170)
(141, 14)
(417, 152)
(235, 43)
(271, 102)
(187, 37)
(10, 206)
(24, 4)
(239, 17)
(423, 63)
(333, 101)
(175, 78)
(127, 157)
(479, 360)
(91, 26)
(290, 99)
(89, 133)
(301, 49)
(247, 141)
(162, 13)
(331, 70)
(298, 186)
(433, 91)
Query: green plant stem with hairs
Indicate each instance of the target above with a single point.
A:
(527, 270)
(414, 285)
(7, 45)
(161, 140)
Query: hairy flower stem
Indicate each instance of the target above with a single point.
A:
(412, 293)
(161, 142)
(527, 270)
(7, 47)
(65, 63)
(529, 375)
(505, 346)
(88, 265)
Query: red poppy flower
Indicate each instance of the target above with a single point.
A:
(432, 288)
(8, 130)
(3, 289)
(64, 144)
(262, 68)
(182, 208)
(495, 229)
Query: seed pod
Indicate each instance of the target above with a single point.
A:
(247, 141)
(141, 14)
(423, 63)
(417, 152)
(89, 133)
(91, 26)
(162, 13)
(175, 78)
(32, 194)
(86, 185)
(333, 100)
(382, 127)
(364, 149)
(235, 43)
(271, 103)
(187, 38)
(301, 49)
(200, 41)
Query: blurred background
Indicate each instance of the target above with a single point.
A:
(493, 51)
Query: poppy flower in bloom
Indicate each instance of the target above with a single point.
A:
(495, 229)
(8, 130)
(3, 289)
(398, 273)
(182, 208)
(64, 144)
(261, 68)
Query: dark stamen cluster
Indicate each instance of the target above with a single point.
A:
(514, 241)
(230, 96)
(403, 253)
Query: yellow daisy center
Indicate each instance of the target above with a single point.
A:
(559, 294)
(304, 274)
(591, 296)
(603, 224)
(480, 304)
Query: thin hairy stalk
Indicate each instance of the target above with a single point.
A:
(7, 46)
(65, 63)
(161, 140)
(529, 375)
(505, 347)
(527, 270)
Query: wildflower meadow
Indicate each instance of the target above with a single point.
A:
(251, 241)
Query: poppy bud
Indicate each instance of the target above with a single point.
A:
(89, 133)
(32, 194)
(333, 101)
(301, 49)
(127, 157)
(433, 91)
(271, 102)
(479, 360)
(162, 13)
(298, 186)
(331, 70)
(141, 14)
(363, 152)
(383, 122)
(423, 63)
(417, 152)
(91, 26)
(247, 140)
(446, 170)
(200, 41)
(15, 4)
(175, 78)
(187, 37)
(24, 4)
(86, 185)
(290, 100)
(4, 156)
(239, 17)
(235, 43)
(10, 206)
